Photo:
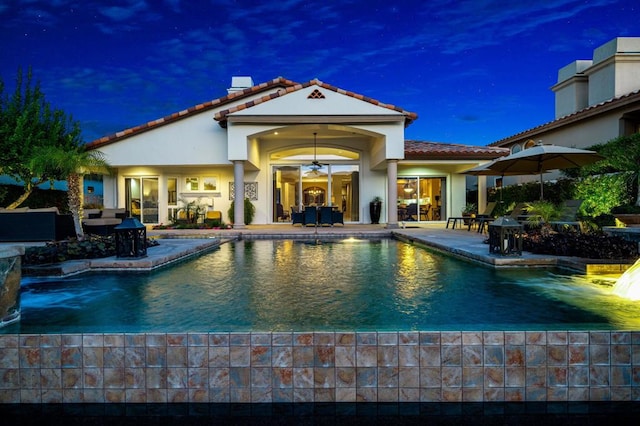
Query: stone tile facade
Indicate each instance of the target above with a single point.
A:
(447, 366)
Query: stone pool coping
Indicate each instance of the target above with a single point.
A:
(178, 245)
(170, 251)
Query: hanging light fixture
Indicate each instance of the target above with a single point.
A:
(408, 189)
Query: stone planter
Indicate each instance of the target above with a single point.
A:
(629, 219)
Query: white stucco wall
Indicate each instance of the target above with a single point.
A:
(196, 140)
(582, 135)
(601, 82)
(197, 146)
(616, 69)
(334, 103)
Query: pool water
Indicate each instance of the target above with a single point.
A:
(287, 285)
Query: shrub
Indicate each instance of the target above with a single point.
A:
(603, 192)
(595, 245)
(92, 247)
(249, 211)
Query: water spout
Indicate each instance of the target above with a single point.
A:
(628, 285)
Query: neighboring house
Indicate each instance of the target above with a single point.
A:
(286, 145)
(596, 100)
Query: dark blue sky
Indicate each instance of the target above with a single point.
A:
(474, 71)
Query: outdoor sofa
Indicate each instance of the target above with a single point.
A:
(102, 222)
(44, 224)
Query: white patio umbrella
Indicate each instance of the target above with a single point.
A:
(542, 158)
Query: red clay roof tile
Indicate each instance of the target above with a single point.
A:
(222, 115)
(423, 150)
(573, 117)
(231, 97)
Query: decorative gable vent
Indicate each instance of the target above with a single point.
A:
(316, 94)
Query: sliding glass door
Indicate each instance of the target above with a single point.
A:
(141, 197)
(298, 186)
(421, 199)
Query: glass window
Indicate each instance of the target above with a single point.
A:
(172, 191)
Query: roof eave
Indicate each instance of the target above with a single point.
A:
(575, 117)
(205, 106)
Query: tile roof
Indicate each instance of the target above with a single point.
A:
(222, 115)
(231, 97)
(423, 150)
(287, 86)
(585, 113)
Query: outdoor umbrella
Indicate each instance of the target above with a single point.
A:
(542, 158)
(486, 170)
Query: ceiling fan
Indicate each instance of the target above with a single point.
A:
(315, 164)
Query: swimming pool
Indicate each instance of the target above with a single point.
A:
(287, 285)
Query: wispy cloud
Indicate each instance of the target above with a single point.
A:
(126, 12)
(142, 60)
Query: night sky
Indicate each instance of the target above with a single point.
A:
(474, 71)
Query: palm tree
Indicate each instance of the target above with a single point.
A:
(541, 214)
(74, 164)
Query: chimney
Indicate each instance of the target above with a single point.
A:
(572, 88)
(239, 83)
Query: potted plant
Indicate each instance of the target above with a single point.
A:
(375, 208)
(469, 210)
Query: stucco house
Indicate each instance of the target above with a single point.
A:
(287, 145)
(596, 100)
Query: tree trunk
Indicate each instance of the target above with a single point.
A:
(638, 191)
(21, 199)
(75, 192)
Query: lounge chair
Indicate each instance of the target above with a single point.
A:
(470, 221)
(483, 218)
(519, 212)
(568, 216)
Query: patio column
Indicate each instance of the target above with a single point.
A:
(238, 183)
(482, 193)
(392, 194)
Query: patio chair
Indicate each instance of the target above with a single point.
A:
(310, 216)
(280, 212)
(213, 218)
(326, 216)
(568, 217)
(412, 212)
(337, 217)
(296, 216)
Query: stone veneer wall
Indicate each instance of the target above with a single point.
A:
(10, 273)
(321, 367)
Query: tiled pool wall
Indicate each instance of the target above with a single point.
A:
(492, 366)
